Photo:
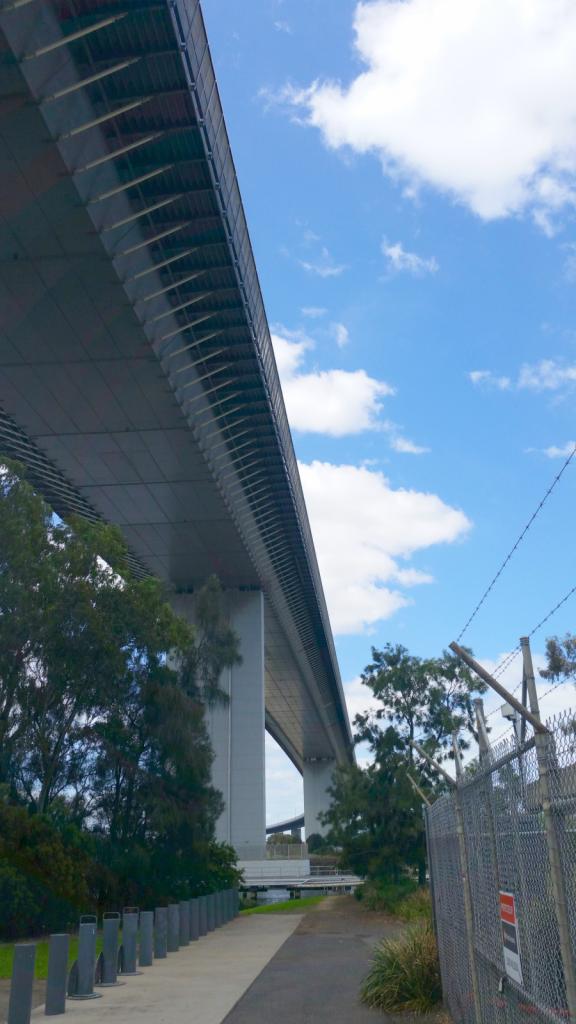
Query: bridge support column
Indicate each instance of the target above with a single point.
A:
(237, 729)
(317, 780)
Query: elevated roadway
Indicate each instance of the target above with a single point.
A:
(137, 378)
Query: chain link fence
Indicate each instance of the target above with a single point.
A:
(502, 852)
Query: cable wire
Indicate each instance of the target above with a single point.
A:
(519, 540)
(514, 654)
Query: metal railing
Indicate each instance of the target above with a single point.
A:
(273, 851)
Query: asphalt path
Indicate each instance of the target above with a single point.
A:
(316, 975)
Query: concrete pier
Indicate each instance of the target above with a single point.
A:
(317, 780)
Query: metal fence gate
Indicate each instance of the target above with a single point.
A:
(506, 949)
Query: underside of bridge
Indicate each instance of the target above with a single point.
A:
(137, 378)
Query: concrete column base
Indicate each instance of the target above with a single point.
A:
(237, 728)
(317, 781)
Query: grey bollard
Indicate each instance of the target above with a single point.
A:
(130, 940)
(203, 915)
(57, 975)
(211, 912)
(184, 923)
(20, 1005)
(161, 933)
(194, 920)
(146, 958)
(86, 963)
(173, 927)
(110, 937)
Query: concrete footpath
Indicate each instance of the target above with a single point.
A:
(198, 985)
(316, 976)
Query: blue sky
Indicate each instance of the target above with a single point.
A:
(413, 225)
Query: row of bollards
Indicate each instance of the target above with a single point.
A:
(146, 935)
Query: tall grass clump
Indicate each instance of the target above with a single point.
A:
(416, 906)
(405, 974)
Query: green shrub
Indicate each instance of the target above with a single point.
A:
(405, 974)
(387, 896)
(416, 906)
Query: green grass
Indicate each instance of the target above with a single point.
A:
(276, 908)
(405, 974)
(41, 968)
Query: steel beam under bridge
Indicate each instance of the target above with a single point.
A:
(137, 378)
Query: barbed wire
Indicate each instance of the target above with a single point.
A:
(541, 697)
(514, 654)
(518, 542)
(501, 736)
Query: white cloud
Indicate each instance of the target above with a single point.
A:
(547, 375)
(560, 452)
(340, 333)
(487, 379)
(289, 349)
(468, 97)
(398, 259)
(283, 26)
(324, 265)
(333, 402)
(313, 312)
(406, 446)
(363, 530)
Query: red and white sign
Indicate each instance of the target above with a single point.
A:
(510, 937)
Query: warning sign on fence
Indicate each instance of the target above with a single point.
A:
(510, 937)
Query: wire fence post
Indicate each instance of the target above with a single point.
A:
(425, 807)
(468, 914)
(546, 766)
(466, 890)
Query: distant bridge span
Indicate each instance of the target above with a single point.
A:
(286, 826)
(137, 378)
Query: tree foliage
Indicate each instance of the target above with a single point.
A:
(102, 697)
(375, 816)
(561, 658)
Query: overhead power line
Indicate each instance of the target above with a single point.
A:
(518, 542)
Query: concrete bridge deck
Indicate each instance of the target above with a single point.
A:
(137, 377)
